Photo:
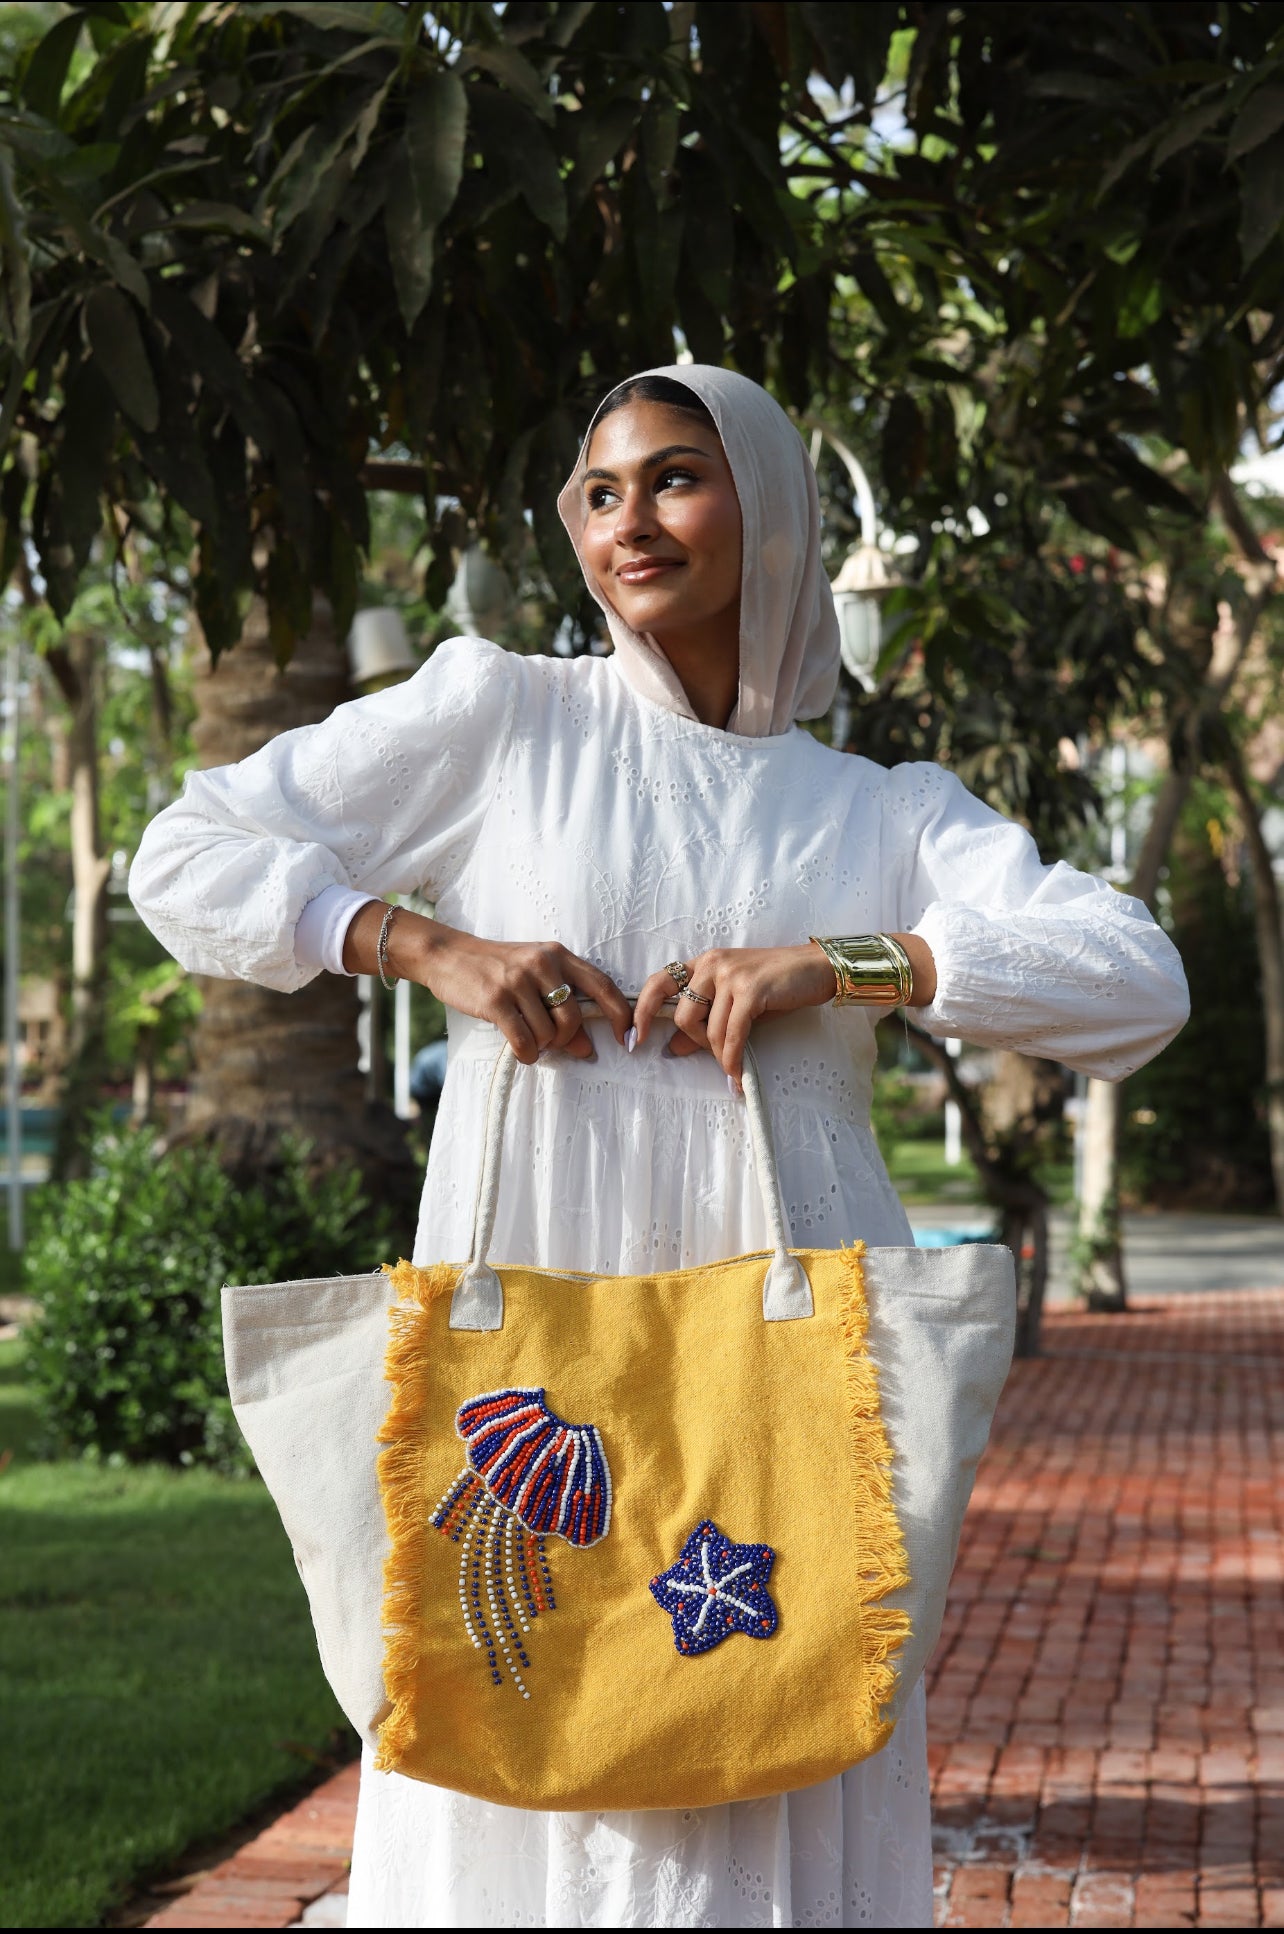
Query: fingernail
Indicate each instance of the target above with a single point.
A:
(591, 1055)
(734, 1085)
(667, 1054)
(631, 1039)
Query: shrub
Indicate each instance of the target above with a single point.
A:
(127, 1266)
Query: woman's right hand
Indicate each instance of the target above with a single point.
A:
(501, 981)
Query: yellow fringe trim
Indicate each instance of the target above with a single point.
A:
(404, 1432)
(884, 1559)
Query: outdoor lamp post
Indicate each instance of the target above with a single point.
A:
(865, 577)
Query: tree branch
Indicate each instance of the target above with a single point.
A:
(1237, 523)
(407, 479)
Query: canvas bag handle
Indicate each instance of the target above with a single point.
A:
(478, 1300)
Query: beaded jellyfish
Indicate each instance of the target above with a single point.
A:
(530, 1476)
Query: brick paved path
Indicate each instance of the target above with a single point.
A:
(1107, 1706)
(1107, 1703)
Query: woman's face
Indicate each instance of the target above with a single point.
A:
(662, 529)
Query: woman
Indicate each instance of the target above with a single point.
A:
(659, 820)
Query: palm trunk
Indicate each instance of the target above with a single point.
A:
(74, 665)
(1270, 953)
(270, 1065)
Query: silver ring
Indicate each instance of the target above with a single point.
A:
(559, 996)
(701, 1000)
(680, 974)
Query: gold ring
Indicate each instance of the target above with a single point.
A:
(701, 1000)
(559, 996)
(678, 974)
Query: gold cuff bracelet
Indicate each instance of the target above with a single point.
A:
(871, 968)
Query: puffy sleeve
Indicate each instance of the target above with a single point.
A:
(387, 795)
(1044, 959)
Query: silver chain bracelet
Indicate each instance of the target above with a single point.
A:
(381, 952)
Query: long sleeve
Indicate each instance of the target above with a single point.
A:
(386, 795)
(1043, 959)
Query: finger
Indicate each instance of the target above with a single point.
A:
(568, 1021)
(681, 1045)
(719, 1015)
(572, 1036)
(692, 1017)
(655, 992)
(511, 1022)
(599, 987)
(734, 1042)
(535, 1014)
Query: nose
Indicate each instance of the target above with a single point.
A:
(636, 522)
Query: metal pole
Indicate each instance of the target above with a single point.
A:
(855, 470)
(401, 1050)
(13, 1067)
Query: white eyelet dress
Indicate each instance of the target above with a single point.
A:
(538, 799)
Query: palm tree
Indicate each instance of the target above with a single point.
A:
(270, 1064)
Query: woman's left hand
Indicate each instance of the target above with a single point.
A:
(745, 984)
(741, 985)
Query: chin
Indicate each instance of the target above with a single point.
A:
(654, 613)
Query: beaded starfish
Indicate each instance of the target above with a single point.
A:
(716, 1588)
(529, 1476)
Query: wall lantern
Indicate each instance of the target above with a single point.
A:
(865, 577)
(379, 651)
(481, 599)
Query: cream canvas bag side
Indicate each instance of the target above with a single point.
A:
(305, 1363)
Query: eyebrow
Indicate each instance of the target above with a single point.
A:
(652, 462)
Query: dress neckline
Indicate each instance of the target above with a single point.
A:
(713, 736)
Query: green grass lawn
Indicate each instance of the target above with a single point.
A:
(158, 1674)
(921, 1175)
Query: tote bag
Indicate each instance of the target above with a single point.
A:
(652, 1541)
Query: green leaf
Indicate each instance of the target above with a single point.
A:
(289, 596)
(1069, 85)
(98, 244)
(13, 491)
(514, 72)
(554, 449)
(1262, 203)
(1122, 162)
(598, 134)
(1143, 303)
(214, 218)
(1188, 128)
(1256, 122)
(424, 186)
(72, 513)
(209, 354)
(852, 42)
(114, 337)
(15, 283)
(509, 132)
(379, 20)
(46, 74)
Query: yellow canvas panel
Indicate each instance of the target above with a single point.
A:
(704, 1411)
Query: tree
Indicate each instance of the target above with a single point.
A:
(261, 259)
(1065, 317)
(1026, 256)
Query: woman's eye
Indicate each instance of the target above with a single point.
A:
(667, 477)
(598, 496)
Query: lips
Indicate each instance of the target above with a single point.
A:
(646, 569)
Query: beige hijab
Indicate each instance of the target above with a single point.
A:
(788, 626)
